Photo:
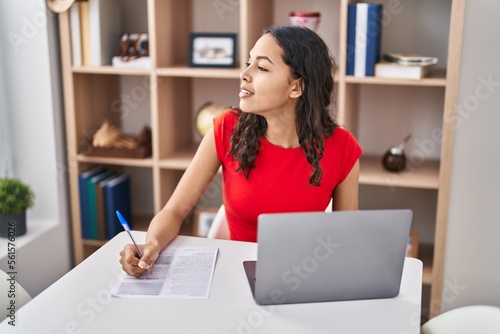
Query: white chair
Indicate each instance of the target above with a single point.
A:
(220, 230)
(482, 319)
(21, 296)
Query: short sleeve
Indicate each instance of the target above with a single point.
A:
(223, 127)
(351, 153)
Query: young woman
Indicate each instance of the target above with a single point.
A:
(280, 151)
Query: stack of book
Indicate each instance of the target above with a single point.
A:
(96, 28)
(364, 34)
(404, 66)
(102, 192)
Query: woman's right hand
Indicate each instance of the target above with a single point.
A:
(132, 265)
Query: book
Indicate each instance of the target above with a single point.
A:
(364, 36)
(351, 34)
(410, 59)
(85, 32)
(92, 202)
(105, 30)
(386, 69)
(374, 37)
(83, 178)
(117, 197)
(360, 39)
(101, 208)
(76, 41)
(141, 62)
(412, 245)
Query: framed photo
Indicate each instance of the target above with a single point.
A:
(203, 219)
(412, 247)
(212, 50)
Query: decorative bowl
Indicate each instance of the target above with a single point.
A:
(305, 19)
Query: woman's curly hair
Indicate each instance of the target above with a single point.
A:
(308, 58)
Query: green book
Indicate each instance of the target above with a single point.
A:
(92, 202)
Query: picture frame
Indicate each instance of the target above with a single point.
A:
(203, 219)
(413, 241)
(212, 50)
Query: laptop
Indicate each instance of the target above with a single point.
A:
(328, 256)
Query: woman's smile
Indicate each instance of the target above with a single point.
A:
(245, 93)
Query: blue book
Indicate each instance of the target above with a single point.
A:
(92, 184)
(117, 197)
(364, 33)
(374, 38)
(83, 177)
(351, 33)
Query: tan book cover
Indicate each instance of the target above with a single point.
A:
(85, 32)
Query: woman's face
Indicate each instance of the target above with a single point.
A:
(266, 83)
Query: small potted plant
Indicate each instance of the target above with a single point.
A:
(15, 198)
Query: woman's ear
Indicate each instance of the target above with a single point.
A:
(297, 88)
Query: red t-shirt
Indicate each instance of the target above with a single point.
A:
(279, 182)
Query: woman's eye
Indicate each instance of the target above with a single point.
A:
(260, 68)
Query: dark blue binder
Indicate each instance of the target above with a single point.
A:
(374, 38)
(117, 197)
(351, 35)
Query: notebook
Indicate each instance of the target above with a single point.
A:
(329, 256)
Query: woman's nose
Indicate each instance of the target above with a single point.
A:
(244, 76)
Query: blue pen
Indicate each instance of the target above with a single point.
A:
(127, 228)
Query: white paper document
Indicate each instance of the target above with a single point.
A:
(179, 272)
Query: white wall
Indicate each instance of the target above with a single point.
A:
(31, 87)
(472, 268)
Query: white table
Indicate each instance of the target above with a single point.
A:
(80, 302)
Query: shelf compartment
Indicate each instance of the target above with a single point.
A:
(174, 125)
(130, 17)
(171, 33)
(436, 79)
(93, 96)
(123, 101)
(180, 18)
(424, 176)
